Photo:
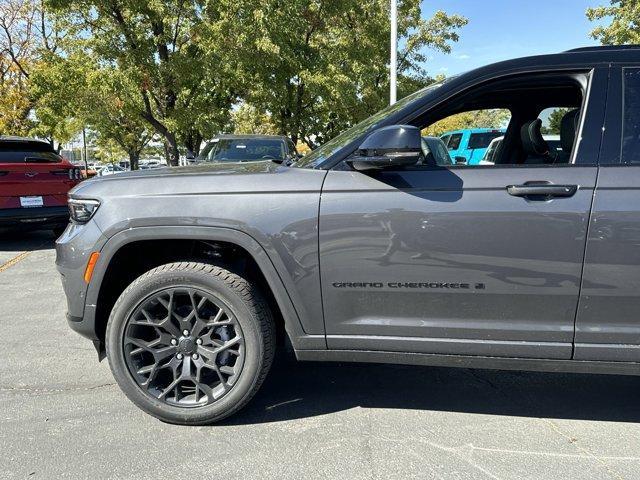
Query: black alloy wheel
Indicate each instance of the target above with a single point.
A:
(190, 343)
(183, 346)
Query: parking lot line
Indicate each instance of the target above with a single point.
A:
(14, 260)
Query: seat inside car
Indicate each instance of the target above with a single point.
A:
(534, 145)
(568, 129)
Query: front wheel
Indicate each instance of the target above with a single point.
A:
(190, 343)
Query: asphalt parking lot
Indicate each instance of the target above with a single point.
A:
(62, 416)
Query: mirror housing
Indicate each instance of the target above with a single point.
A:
(392, 146)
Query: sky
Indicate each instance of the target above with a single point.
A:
(503, 29)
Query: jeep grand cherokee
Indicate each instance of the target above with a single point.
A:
(367, 250)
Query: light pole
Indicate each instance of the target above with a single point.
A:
(394, 52)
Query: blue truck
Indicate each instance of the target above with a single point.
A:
(470, 143)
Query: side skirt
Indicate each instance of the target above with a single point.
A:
(494, 363)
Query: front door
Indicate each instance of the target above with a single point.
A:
(452, 261)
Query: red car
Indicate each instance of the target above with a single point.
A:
(34, 181)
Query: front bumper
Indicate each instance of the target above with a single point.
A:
(73, 249)
(38, 217)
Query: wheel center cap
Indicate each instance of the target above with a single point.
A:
(187, 345)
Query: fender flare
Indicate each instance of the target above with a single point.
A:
(293, 326)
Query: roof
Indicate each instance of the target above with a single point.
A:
(577, 57)
(601, 48)
(8, 142)
(15, 138)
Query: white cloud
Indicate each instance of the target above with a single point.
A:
(462, 56)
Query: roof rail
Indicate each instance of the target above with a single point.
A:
(600, 48)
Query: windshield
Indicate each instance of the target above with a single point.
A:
(332, 146)
(243, 150)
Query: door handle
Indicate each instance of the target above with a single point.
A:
(545, 190)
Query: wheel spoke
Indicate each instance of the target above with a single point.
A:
(226, 345)
(164, 337)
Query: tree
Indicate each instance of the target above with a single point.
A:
(28, 35)
(491, 118)
(624, 26)
(101, 99)
(247, 119)
(554, 121)
(14, 100)
(182, 90)
(320, 66)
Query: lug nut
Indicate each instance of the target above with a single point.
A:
(194, 356)
(174, 341)
(199, 341)
(185, 332)
(179, 356)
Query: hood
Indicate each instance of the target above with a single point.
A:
(211, 178)
(218, 168)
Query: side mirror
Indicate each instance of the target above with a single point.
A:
(392, 146)
(460, 160)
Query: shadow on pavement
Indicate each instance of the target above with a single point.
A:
(298, 390)
(17, 241)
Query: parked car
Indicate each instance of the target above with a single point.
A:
(188, 279)
(110, 170)
(34, 181)
(470, 143)
(248, 148)
(84, 172)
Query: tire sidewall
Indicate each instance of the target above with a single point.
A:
(246, 316)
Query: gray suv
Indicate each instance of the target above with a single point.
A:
(366, 250)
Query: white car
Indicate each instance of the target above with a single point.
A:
(110, 170)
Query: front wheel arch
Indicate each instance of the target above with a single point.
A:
(176, 243)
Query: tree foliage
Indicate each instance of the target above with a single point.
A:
(181, 89)
(178, 69)
(555, 121)
(624, 26)
(321, 66)
(247, 119)
(491, 118)
(28, 36)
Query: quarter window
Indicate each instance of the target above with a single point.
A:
(631, 116)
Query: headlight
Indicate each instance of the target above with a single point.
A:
(81, 211)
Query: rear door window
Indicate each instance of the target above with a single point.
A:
(631, 116)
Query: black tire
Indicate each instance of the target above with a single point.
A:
(59, 230)
(246, 306)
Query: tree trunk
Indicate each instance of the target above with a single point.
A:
(134, 159)
(172, 150)
(192, 142)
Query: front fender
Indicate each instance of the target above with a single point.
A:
(272, 268)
